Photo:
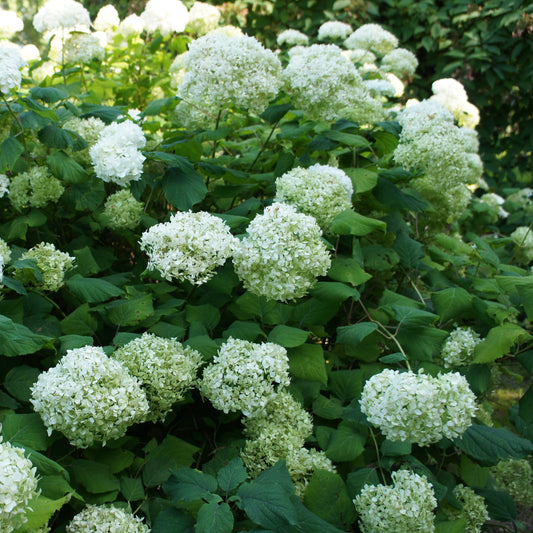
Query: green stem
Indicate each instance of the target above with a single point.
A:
(48, 299)
(264, 146)
(378, 457)
(216, 128)
(19, 123)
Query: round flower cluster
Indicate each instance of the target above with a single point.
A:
(107, 18)
(10, 64)
(334, 30)
(380, 87)
(5, 252)
(4, 185)
(407, 505)
(451, 94)
(106, 519)
(401, 62)
(10, 23)
(18, 486)
(36, 188)
(244, 376)
(63, 14)
(458, 349)
(301, 464)
(122, 211)
(167, 16)
(224, 72)
(282, 254)
(81, 47)
(326, 85)
(188, 247)
(89, 129)
(363, 57)
(131, 26)
(522, 236)
(495, 201)
(51, 263)
(203, 18)
(116, 156)
(165, 368)
(514, 477)
(473, 508)
(321, 191)
(89, 397)
(292, 38)
(374, 38)
(418, 408)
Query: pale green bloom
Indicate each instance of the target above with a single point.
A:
(514, 477)
(36, 188)
(89, 129)
(122, 211)
(292, 38)
(5, 252)
(374, 38)
(401, 62)
(334, 30)
(203, 18)
(523, 239)
(165, 368)
(458, 349)
(106, 519)
(407, 505)
(473, 508)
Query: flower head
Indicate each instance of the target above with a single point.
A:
(458, 349)
(89, 397)
(334, 30)
(374, 38)
(11, 62)
(35, 187)
(4, 185)
(203, 18)
(401, 62)
(514, 477)
(292, 38)
(131, 26)
(82, 47)
(122, 211)
(106, 519)
(61, 14)
(167, 16)
(107, 18)
(10, 23)
(473, 508)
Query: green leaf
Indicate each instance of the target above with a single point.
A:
(71, 342)
(307, 362)
(171, 520)
(19, 380)
(232, 475)
(489, 445)
(93, 290)
(349, 139)
(499, 342)
(157, 106)
(451, 526)
(351, 223)
(94, 477)
(287, 336)
(16, 339)
(275, 113)
(363, 180)
(348, 270)
(45, 466)
(356, 333)
(248, 331)
(214, 517)
(40, 511)
(328, 408)
(132, 488)
(10, 151)
(326, 495)
(183, 189)
(65, 168)
(38, 108)
(186, 484)
(346, 443)
(409, 251)
(130, 312)
(332, 291)
(206, 314)
(49, 95)
(395, 448)
(500, 505)
(525, 409)
(359, 478)
(79, 322)
(451, 303)
(25, 430)
(55, 137)
(346, 384)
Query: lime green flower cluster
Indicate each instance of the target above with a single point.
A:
(514, 477)
(102, 519)
(473, 508)
(35, 188)
(122, 211)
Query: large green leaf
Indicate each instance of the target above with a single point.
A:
(307, 362)
(16, 339)
(10, 150)
(500, 505)
(499, 342)
(332, 291)
(94, 477)
(451, 303)
(232, 475)
(65, 168)
(79, 322)
(351, 223)
(188, 485)
(130, 312)
(19, 380)
(40, 511)
(348, 270)
(183, 189)
(287, 336)
(356, 333)
(346, 443)
(214, 517)
(93, 290)
(25, 430)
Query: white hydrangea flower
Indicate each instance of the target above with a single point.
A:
(131, 26)
(30, 53)
(52, 264)
(321, 191)
(188, 247)
(167, 16)
(4, 185)
(5, 252)
(228, 30)
(11, 62)
(165, 368)
(89, 397)
(292, 38)
(418, 408)
(362, 56)
(282, 254)
(401, 62)
(514, 477)
(61, 14)
(106, 519)
(407, 505)
(10, 23)
(122, 211)
(451, 94)
(496, 202)
(244, 376)
(380, 87)
(473, 508)
(18, 486)
(326, 85)
(301, 464)
(225, 72)
(116, 156)
(374, 38)
(81, 47)
(522, 236)
(107, 18)
(334, 30)
(203, 18)
(458, 349)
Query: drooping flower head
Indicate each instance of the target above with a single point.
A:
(18, 486)
(514, 477)
(321, 191)
(224, 72)
(188, 247)
(165, 368)
(473, 508)
(407, 505)
(61, 14)
(244, 376)
(89, 397)
(282, 254)
(167, 16)
(35, 187)
(106, 519)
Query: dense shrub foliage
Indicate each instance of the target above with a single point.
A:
(253, 288)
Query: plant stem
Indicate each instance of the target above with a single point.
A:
(264, 146)
(19, 123)
(378, 457)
